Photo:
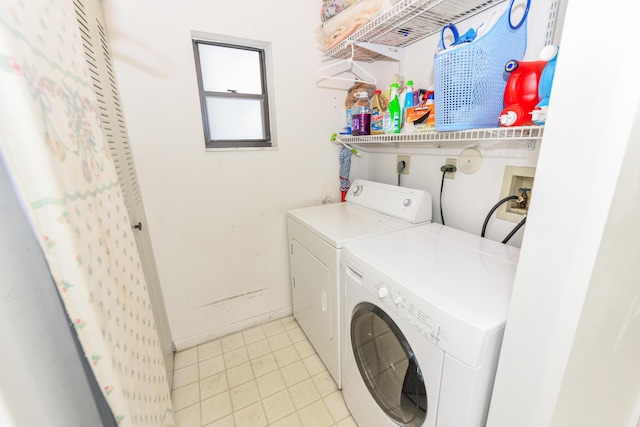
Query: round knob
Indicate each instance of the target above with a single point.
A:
(383, 292)
(357, 190)
(398, 300)
(406, 203)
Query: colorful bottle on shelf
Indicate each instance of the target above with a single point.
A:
(408, 101)
(521, 92)
(361, 115)
(379, 107)
(549, 54)
(393, 119)
(431, 118)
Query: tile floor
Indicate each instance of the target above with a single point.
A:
(268, 375)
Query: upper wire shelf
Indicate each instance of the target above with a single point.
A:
(473, 137)
(407, 22)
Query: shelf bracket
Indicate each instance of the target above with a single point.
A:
(391, 52)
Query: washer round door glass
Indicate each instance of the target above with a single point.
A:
(388, 366)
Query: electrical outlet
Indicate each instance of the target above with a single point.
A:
(406, 160)
(451, 175)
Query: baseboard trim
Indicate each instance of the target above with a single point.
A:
(196, 340)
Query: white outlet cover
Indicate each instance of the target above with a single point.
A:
(470, 160)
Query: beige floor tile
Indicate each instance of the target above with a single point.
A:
(273, 328)
(213, 385)
(251, 416)
(291, 421)
(232, 342)
(188, 417)
(305, 348)
(270, 384)
(315, 415)
(294, 373)
(185, 396)
(244, 395)
(324, 383)
(211, 366)
(236, 357)
(227, 421)
(185, 358)
(252, 335)
(304, 393)
(347, 422)
(289, 322)
(210, 349)
(185, 376)
(239, 374)
(336, 406)
(263, 365)
(266, 375)
(278, 341)
(314, 365)
(216, 407)
(278, 406)
(286, 356)
(258, 349)
(296, 334)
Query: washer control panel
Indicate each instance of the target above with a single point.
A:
(402, 302)
(431, 312)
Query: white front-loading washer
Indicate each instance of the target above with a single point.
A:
(316, 238)
(424, 314)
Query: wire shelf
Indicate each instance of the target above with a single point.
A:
(474, 137)
(407, 22)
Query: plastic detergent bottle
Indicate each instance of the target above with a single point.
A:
(393, 120)
(379, 107)
(549, 54)
(521, 92)
(408, 101)
(431, 119)
(361, 115)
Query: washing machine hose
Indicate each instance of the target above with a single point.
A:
(515, 229)
(493, 209)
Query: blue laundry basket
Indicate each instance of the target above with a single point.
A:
(469, 80)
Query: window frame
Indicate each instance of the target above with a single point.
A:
(266, 97)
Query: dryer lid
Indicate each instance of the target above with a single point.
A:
(339, 222)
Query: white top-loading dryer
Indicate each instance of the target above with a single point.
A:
(424, 314)
(316, 237)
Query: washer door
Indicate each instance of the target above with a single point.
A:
(388, 366)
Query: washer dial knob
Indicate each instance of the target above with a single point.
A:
(383, 292)
(398, 300)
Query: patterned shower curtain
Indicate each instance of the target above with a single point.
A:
(53, 145)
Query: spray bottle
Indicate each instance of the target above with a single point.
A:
(393, 120)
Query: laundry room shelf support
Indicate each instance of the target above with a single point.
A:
(527, 135)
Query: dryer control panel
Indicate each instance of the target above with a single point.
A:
(404, 203)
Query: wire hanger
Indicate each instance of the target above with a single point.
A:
(369, 78)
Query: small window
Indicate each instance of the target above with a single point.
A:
(234, 93)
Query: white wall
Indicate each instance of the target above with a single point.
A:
(571, 347)
(217, 218)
